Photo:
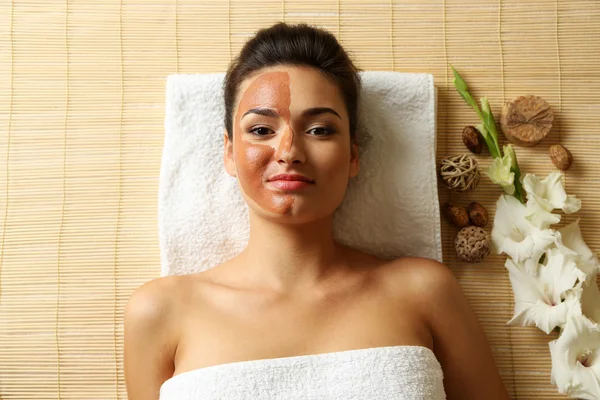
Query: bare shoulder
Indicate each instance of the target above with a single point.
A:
(157, 309)
(428, 286)
(423, 277)
(167, 300)
(459, 342)
(152, 329)
(154, 301)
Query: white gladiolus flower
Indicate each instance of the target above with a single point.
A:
(576, 359)
(570, 241)
(516, 236)
(499, 172)
(562, 290)
(546, 298)
(549, 193)
(540, 217)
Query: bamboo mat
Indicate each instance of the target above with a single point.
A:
(81, 116)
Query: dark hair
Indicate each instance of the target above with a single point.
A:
(299, 44)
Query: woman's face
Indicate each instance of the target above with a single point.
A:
(291, 120)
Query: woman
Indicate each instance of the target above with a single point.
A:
(294, 293)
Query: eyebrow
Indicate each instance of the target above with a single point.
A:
(309, 112)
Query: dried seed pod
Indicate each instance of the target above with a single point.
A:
(472, 139)
(561, 157)
(526, 120)
(477, 214)
(472, 244)
(456, 215)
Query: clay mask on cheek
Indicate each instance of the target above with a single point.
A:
(267, 90)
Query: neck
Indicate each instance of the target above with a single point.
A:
(290, 256)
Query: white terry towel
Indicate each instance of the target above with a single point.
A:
(391, 208)
(384, 373)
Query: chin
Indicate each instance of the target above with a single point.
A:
(295, 215)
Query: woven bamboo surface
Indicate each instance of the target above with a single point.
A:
(81, 121)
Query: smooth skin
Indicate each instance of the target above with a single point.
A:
(294, 290)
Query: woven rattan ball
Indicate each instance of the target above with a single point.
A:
(460, 172)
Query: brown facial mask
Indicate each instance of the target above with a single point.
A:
(270, 90)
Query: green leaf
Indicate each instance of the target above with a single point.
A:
(489, 131)
(463, 90)
(489, 122)
(489, 141)
(459, 82)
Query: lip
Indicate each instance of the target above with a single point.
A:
(290, 178)
(290, 181)
(290, 185)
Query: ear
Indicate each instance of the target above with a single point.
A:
(354, 160)
(228, 159)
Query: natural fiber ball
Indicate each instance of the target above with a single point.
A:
(460, 172)
(472, 244)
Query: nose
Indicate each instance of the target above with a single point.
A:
(290, 149)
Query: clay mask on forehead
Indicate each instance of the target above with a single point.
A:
(268, 90)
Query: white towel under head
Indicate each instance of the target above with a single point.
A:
(390, 372)
(391, 208)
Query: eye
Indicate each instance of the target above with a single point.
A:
(260, 131)
(322, 131)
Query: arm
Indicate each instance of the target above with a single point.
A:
(460, 343)
(149, 342)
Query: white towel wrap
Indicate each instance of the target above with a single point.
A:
(377, 373)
